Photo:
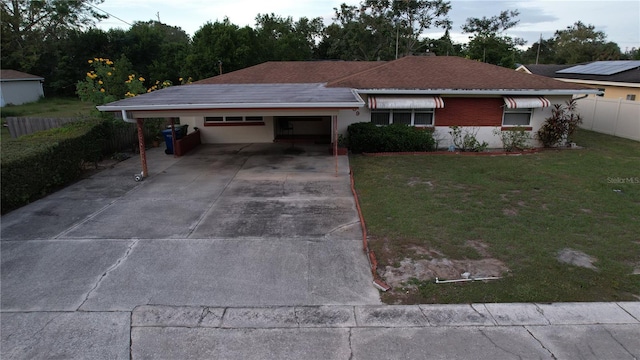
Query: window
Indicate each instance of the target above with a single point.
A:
(380, 117)
(411, 117)
(601, 94)
(631, 97)
(423, 117)
(232, 119)
(517, 117)
(402, 117)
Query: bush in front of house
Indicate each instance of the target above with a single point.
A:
(34, 165)
(369, 138)
(560, 126)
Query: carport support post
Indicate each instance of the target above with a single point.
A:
(335, 141)
(173, 137)
(143, 152)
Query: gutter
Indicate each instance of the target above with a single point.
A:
(23, 79)
(526, 92)
(126, 118)
(339, 105)
(599, 82)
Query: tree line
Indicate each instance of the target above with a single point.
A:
(56, 38)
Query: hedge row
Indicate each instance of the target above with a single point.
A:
(34, 165)
(367, 137)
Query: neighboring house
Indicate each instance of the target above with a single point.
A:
(18, 88)
(619, 79)
(317, 100)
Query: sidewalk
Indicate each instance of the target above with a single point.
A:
(477, 331)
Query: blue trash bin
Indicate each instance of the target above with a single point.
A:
(168, 139)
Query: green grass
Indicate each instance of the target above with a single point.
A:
(524, 208)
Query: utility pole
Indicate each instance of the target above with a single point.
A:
(397, 36)
(158, 16)
(538, 54)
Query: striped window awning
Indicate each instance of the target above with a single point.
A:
(405, 102)
(526, 102)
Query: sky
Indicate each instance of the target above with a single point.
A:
(619, 20)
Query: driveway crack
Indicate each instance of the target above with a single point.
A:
(619, 343)
(498, 346)
(350, 344)
(541, 344)
(541, 312)
(109, 270)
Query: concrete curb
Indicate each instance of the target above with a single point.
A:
(388, 316)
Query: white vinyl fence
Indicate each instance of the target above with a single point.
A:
(609, 116)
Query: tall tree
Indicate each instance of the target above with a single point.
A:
(67, 64)
(443, 46)
(283, 39)
(541, 52)
(383, 29)
(157, 50)
(30, 25)
(488, 42)
(633, 54)
(415, 17)
(220, 46)
(359, 33)
(580, 43)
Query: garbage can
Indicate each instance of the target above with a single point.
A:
(184, 130)
(182, 127)
(168, 138)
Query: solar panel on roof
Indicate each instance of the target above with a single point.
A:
(602, 67)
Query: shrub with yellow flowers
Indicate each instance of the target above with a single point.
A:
(106, 81)
(110, 81)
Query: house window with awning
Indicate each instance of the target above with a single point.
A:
(518, 110)
(411, 117)
(408, 110)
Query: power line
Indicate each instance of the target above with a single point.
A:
(109, 14)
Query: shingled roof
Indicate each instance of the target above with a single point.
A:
(15, 75)
(292, 72)
(446, 72)
(410, 72)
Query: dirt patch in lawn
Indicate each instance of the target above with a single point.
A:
(441, 268)
(434, 264)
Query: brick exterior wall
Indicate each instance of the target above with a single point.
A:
(470, 112)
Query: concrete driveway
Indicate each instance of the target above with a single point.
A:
(228, 225)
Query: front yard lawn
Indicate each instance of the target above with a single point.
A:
(508, 216)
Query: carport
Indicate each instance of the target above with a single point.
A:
(238, 113)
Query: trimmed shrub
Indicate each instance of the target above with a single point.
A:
(367, 137)
(465, 140)
(514, 139)
(35, 165)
